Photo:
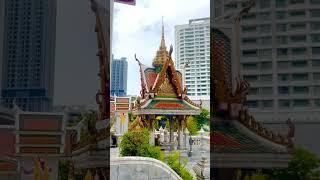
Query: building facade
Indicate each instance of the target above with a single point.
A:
(27, 54)
(192, 54)
(119, 75)
(279, 57)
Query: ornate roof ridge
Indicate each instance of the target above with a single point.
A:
(257, 127)
(160, 77)
(144, 86)
(186, 98)
(135, 123)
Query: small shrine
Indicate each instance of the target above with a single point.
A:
(163, 94)
(240, 143)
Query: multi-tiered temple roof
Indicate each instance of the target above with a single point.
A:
(162, 91)
(239, 141)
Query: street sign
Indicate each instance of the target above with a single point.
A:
(130, 2)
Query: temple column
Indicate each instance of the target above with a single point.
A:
(171, 133)
(151, 140)
(179, 132)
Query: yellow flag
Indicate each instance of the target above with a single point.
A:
(46, 171)
(36, 170)
(122, 118)
(88, 176)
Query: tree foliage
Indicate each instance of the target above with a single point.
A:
(304, 166)
(136, 143)
(64, 169)
(174, 162)
(202, 119)
(192, 126)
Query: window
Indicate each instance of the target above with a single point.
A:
(282, 40)
(316, 62)
(300, 76)
(246, 41)
(314, 2)
(250, 78)
(264, 4)
(253, 91)
(281, 27)
(298, 51)
(297, 26)
(283, 77)
(249, 53)
(281, 3)
(281, 15)
(266, 91)
(315, 25)
(297, 13)
(265, 28)
(296, 1)
(249, 29)
(266, 78)
(283, 90)
(301, 103)
(267, 103)
(317, 102)
(315, 50)
(265, 53)
(284, 103)
(316, 76)
(266, 40)
(298, 38)
(249, 16)
(252, 104)
(230, 6)
(266, 66)
(249, 66)
(315, 38)
(315, 13)
(300, 90)
(299, 64)
(265, 15)
(282, 52)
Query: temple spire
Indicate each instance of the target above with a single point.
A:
(162, 52)
(162, 43)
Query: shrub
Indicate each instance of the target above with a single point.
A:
(137, 144)
(174, 163)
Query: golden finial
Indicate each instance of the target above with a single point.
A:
(162, 51)
(162, 43)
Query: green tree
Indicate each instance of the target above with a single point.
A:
(202, 119)
(174, 162)
(192, 126)
(304, 166)
(136, 143)
(64, 169)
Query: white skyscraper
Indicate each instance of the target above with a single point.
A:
(192, 47)
(280, 57)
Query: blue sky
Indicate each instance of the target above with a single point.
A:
(137, 29)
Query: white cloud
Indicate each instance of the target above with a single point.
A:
(136, 29)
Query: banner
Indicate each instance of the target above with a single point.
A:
(130, 2)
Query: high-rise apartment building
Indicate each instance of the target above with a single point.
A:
(192, 54)
(27, 54)
(119, 75)
(280, 56)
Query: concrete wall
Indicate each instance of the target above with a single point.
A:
(140, 168)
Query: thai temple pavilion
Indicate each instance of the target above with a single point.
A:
(239, 141)
(163, 93)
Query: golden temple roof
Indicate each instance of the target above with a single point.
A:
(162, 51)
